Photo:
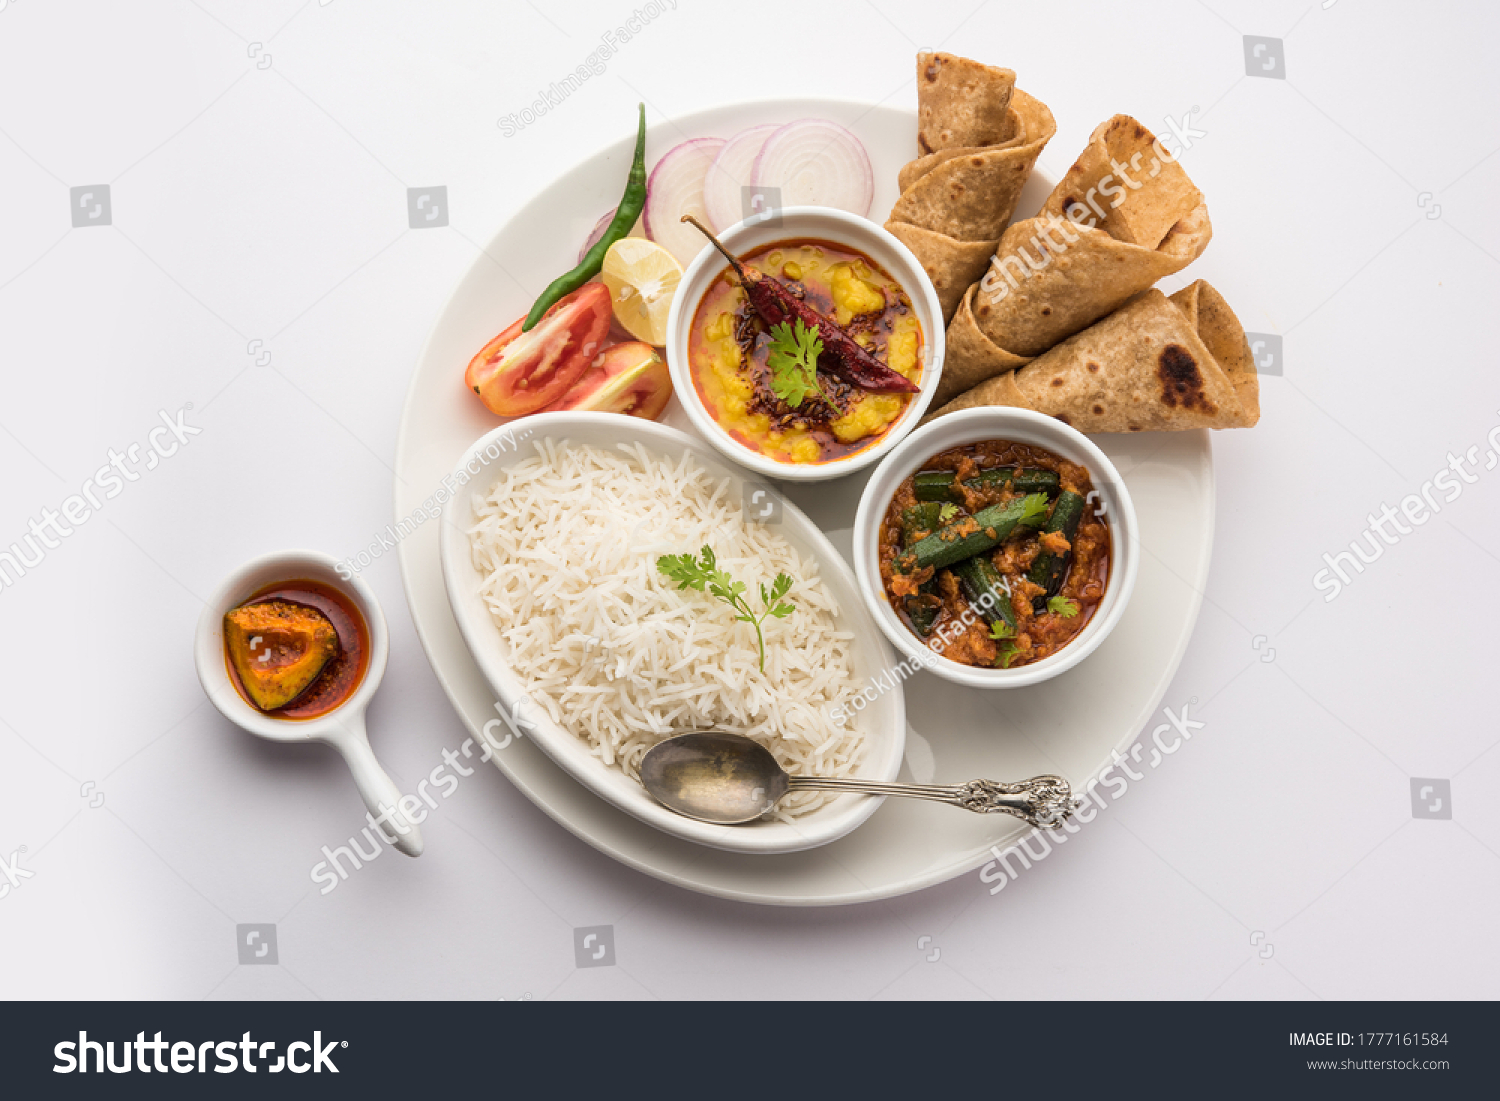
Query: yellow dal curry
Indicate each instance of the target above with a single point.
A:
(728, 348)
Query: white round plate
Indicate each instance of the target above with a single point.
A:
(1072, 725)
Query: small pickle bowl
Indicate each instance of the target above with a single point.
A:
(791, 224)
(971, 426)
(343, 728)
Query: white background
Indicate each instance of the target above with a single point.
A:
(269, 203)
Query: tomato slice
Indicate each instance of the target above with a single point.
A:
(519, 373)
(630, 378)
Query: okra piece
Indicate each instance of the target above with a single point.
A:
(923, 610)
(986, 590)
(971, 535)
(937, 485)
(924, 517)
(1047, 569)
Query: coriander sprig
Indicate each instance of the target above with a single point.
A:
(1062, 606)
(1008, 651)
(1005, 635)
(704, 575)
(793, 360)
(1033, 510)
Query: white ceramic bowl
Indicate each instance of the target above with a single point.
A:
(883, 722)
(1021, 426)
(344, 726)
(842, 228)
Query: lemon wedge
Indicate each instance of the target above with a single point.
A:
(642, 278)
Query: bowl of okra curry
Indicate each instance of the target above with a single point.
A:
(996, 546)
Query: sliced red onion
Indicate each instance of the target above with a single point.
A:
(598, 231)
(731, 173)
(676, 188)
(816, 162)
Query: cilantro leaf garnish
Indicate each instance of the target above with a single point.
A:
(1033, 510)
(794, 362)
(1061, 605)
(704, 575)
(1005, 635)
(772, 599)
(947, 512)
(1008, 650)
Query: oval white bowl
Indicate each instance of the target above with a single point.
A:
(1021, 426)
(883, 722)
(842, 228)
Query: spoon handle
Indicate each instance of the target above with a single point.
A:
(1043, 801)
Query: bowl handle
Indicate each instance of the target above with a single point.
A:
(376, 788)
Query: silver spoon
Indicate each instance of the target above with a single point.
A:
(729, 779)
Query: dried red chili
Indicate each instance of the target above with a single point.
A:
(842, 355)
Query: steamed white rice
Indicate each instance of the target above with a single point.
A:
(568, 542)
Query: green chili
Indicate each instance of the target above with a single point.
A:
(629, 210)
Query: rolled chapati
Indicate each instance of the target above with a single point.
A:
(978, 137)
(1156, 364)
(1126, 183)
(962, 104)
(1123, 216)
(951, 264)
